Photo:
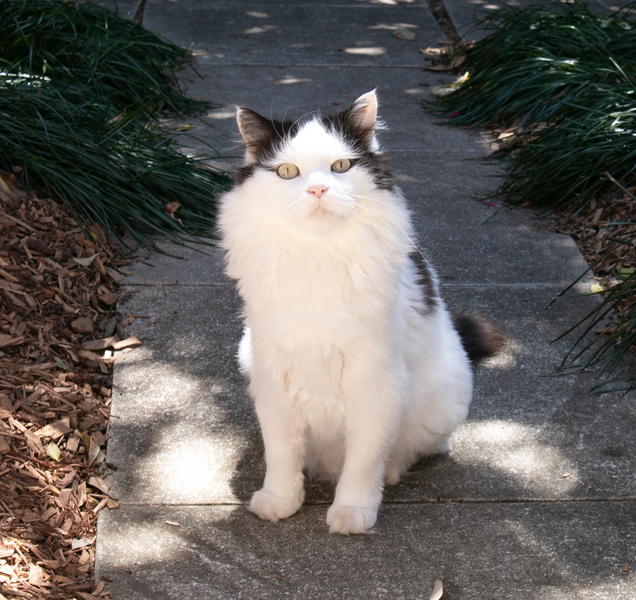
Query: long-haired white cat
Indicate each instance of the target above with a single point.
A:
(355, 367)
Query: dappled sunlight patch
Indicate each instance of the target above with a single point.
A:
(261, 29)
(368, 51)
(393, 26)
(144, 544)
(162, 388)
(519, 451)
(187, 345)
(137, 356)
(186, 464)
(506, 359)
(289, 79)
(408, 178)
(484, 139)
(389, 2)
(222, 114)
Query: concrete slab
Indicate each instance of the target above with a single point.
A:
(293, 54)
(530, 432)
(510, 551)
(183, 416)
(466, 239)
(292, 33)
(180, 265)
(291, 92)
(187, 433)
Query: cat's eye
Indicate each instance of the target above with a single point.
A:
(287, 171)
(342, 165)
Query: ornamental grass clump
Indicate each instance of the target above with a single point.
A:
(82, 92)
(561, 167)
(562, 80)
(537, 59)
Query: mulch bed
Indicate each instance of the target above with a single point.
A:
(58, 327)
(593, 229)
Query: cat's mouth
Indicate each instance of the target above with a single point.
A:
(321, 211)
(324, 210)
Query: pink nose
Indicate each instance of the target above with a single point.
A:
(317, 190)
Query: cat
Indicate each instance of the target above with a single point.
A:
(355, 367)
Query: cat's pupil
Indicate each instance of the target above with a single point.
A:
(342, 165)
(287, 171)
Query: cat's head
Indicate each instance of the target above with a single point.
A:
(317, 172)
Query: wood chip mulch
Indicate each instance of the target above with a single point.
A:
(595, 230)
(58, 291)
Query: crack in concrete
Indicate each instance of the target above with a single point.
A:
(319, 65)
(444, 21)
(413, 501)
(138, 17)
(524, 285)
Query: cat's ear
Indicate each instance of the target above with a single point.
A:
(362, 116)
(257, 133)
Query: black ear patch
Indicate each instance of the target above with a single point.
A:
(356, 122)
(350, 126)
(263, 136)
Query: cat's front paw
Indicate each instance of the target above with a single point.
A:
(273, 508)
(350, 519)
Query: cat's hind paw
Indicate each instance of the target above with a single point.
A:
(350, 519)
(273, 508)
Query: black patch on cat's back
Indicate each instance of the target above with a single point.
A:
(425, 280)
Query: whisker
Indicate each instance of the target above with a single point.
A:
(393, 221)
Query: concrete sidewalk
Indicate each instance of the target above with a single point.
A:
(537, 499)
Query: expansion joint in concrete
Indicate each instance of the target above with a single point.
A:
(320, 65)
(130, 285)
(422, 501)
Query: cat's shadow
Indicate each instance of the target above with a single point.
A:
(250, 471)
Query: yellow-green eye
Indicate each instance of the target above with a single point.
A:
(288, 171)
(342, 165)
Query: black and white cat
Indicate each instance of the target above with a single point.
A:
(355, 367)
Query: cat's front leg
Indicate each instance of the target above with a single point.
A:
(282, 493)
(374, 388)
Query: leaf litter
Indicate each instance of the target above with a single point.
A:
(58, 287)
